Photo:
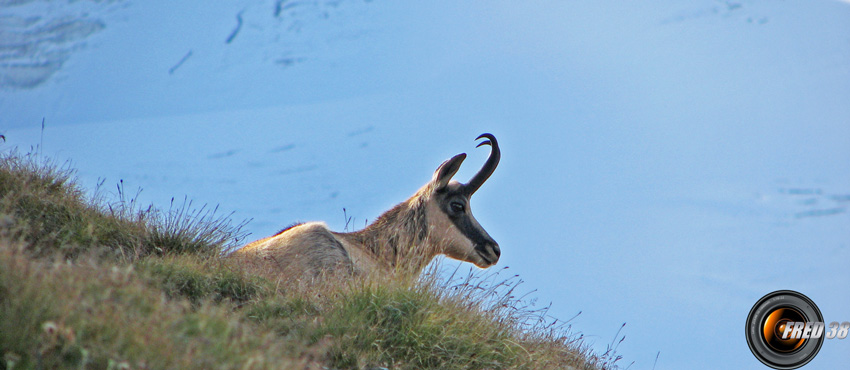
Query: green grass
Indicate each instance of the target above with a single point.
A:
(87, 283)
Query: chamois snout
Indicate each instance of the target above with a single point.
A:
(489, 252)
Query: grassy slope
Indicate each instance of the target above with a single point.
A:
(91, 284)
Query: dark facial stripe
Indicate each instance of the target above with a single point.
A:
(471, 231)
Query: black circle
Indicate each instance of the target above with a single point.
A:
(763, 331)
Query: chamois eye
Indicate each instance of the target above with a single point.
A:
(456, 207)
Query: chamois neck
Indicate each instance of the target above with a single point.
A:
(397, 236)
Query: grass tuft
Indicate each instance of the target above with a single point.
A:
(183, 229)
(203, 279)
(41, 206)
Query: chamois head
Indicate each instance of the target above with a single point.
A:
(453, 229)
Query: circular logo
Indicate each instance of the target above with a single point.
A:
(779, 329)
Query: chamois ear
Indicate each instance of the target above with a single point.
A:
(446, 170)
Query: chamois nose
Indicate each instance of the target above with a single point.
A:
(496, 250)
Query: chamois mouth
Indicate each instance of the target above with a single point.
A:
(488, 253)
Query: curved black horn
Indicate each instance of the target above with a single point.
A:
(488, 167)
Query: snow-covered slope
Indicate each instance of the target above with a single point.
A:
(663, 164)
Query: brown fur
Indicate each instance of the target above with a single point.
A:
(395, 241)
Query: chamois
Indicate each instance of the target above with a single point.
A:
(436, 220)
